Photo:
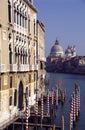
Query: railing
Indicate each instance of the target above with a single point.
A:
(36, 67)
(13, 67)
(18, 67)
(20, 29)
(21, 67)
(42, 58)
(26, 67)
(2, 68)
(31, 67)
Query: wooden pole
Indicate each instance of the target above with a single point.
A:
(71, 121)
(13, 125)
(41, 110)
(22, 123)
(62, 122)
(26, 114)
(7, 128)
(54, 127)
(51, 128)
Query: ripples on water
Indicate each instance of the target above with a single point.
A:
(68, 81)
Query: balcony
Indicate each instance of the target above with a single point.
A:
(21, 67)
(13, 67)
(31, 67)
(26, 67)
(42, 58)
(2, 68)
(36, 67)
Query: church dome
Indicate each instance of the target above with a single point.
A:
(70, 51)
(57, 49)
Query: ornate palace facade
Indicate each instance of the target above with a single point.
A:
(19, 56)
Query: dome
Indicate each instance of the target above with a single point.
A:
(70, 51)
(57, 49)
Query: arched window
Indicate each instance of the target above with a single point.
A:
(20, 18)
(10, 100)
(15, 97)
(10, 54)
(9, 12)
(11, 81)
(26, 92)
(34, 28)
(28, 24)
(15, 14)
(0, 83)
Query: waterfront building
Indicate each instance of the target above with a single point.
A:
(41, 55)
(18, 57)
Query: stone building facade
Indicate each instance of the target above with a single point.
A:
(41, 55)
(19, 66)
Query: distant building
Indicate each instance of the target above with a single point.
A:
(57, 50)
(41, 55)
(69, 62)
(70, 52)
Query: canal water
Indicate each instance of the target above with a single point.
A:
(68, 81)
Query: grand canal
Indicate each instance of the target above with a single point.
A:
(68, 81)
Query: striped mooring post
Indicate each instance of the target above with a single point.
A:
(52, 96)
(57, 97)
(41, 110)
(41, 106)
(77, 92)
(74, 108)
(26, 114)
(62, 122)
(48, 102)
(71, 113)
(78, 100)
(36, 106)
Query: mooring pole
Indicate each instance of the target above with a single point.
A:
(62, 122)
(56, 96)
(41, 110)
(71, 112)
(71, 121)
(27, 107)
(7, 128)
(13, 125)
(48, 102)
(54, 127)
(22, 123)
(36, 110)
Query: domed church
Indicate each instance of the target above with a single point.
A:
(57, 50)
(70, 51)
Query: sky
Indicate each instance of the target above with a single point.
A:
(63, 20)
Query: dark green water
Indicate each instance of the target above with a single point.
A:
(68, 81)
